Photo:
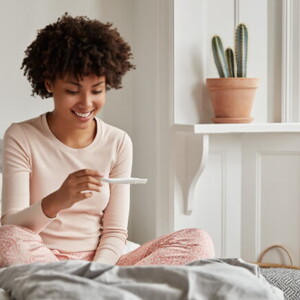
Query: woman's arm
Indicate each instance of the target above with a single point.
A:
(115, 220)
(17, 168)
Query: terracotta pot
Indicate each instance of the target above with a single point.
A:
(232, 98)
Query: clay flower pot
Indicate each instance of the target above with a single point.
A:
(232, 98)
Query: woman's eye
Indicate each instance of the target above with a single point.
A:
(71, 92)
(97, 92)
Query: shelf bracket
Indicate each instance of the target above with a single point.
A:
(197, 147)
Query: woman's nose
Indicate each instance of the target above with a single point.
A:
(85, 100)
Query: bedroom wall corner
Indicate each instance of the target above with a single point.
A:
(152, 121)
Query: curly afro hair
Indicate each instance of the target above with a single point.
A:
(76, 46)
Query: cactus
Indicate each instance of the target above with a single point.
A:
(225, 60)
(219, 56)
(230, 62)
(241, 50)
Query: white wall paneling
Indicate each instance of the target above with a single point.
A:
(287, 44)
(247, 197)
(144, 119)
(290, 60)
(189, 60)
(236, 13)
(216, 203)
(273, 54)
(118, 106)
(255, 15)
(270, 194)
(274, 58)
(152, 117)
(274, 79)
(165, 107)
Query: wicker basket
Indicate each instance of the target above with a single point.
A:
(271, 265)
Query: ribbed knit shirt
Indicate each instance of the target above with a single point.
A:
(36, 163)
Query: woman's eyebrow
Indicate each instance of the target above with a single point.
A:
(79, 85)
(99, 83)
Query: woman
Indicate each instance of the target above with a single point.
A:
(55, 206)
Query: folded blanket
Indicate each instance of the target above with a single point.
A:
(204, 279)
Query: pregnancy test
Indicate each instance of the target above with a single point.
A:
(130, 180)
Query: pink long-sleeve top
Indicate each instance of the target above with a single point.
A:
(36, 163)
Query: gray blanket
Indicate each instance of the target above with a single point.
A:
(206, 279)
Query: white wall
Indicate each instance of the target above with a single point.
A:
(118, 108)
(190, 62)
(151, 117)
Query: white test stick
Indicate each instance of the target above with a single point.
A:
(130, 180)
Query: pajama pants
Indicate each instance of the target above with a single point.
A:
(19, 245)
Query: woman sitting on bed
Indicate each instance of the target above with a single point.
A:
(55, 206)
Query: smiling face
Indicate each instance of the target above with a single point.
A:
(77, 102)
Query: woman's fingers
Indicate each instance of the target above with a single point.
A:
(82, 196)
(87, 172)
(85, 179)
(88, 186)
(88, 179)
(80, 185)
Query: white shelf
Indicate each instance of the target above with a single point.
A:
(238, 128)
(205, 130)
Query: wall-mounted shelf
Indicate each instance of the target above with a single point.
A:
(238, 128)
(204, 130)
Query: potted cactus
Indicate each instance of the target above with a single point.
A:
(233, 93)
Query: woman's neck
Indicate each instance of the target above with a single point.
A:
(74, 138)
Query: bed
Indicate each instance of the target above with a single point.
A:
(203, 279)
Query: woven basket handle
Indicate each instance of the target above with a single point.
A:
(259, 260)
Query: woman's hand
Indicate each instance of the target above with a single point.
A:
(77, 186)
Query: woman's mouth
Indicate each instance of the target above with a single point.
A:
(81, 114)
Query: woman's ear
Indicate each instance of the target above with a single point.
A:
(48, 86)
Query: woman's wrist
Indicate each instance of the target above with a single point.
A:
(50, 205)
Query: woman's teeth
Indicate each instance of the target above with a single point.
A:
(82, 115)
